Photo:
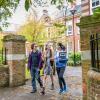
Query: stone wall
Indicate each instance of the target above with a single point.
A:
(93, 85)
(4, 75)
(88, 25)
(15, 46)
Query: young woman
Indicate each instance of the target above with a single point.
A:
(60, 61)
(48, 70)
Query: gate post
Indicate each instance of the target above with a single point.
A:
(89, 26)
(15, 46)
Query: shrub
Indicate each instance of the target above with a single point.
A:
(77, 59)
(0, 59)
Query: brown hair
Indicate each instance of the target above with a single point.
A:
(32, 46)
(61, 46)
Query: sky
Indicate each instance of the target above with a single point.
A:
(20, 15)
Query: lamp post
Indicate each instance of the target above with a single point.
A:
(73, 13)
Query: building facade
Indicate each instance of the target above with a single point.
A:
(88, 6)
(67, 20)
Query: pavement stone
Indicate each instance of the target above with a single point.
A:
(73, 77)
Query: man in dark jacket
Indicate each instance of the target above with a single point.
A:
(34, 65)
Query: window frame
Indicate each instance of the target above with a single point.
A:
(93, 7)
(69, 31)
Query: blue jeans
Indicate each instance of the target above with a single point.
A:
(35, 74)
(60, 73)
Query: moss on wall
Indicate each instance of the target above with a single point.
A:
(88, 21)
(13, 37)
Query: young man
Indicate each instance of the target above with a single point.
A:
(34, 64)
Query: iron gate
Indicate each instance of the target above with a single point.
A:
(95, 51)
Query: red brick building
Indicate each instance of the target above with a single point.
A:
(68, 21)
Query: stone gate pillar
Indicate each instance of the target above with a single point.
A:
(91, 79)
(15, 52)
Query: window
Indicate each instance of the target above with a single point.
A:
(95, 3)
(69, 32)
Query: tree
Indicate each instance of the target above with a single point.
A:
(28, 3)
(6, 9)
(59, 29)
(8, 6)
(60, 1)
(33, 30)
(96, 13)
(1, 37)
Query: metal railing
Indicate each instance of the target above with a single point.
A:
(3, 56)
(95, 52)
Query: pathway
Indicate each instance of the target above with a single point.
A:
(73, 76)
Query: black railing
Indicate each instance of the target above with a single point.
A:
(3, 56)
(95, 52)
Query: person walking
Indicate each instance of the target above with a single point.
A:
(60, 62)
(48, 69)
(34, 65)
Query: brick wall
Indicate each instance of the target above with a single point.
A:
(93, 85)
(4, 75)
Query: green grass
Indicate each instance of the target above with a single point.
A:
(0, 58)
(27, 74)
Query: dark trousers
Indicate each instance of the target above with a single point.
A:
(60, 73)
(35, 74)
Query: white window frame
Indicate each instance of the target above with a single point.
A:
(91, 8)
(69, 23)
(71, 31)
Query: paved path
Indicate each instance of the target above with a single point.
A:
(73, 76)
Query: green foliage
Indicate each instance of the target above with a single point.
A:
(59, 30)
(8, 6)
(96, 13)
(59, 25)
(33, 30)
(0, 58)
(27, 74)
(1, 37)
(59, 1)
(77, 58)
(70, 63)
(6, 9)
(27, 4)
(36, 3)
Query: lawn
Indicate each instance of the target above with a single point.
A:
(27, 74)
